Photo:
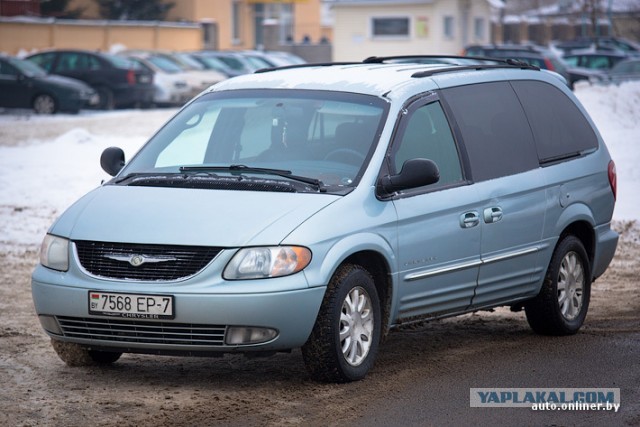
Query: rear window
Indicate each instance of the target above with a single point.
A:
(559, 127)
(494, 128)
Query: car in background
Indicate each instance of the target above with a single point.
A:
(210, 62)
(271, 59)
(194, 68)
(23, 84)
(623, 71)
(118, 81)
(168, 79)
(599, 43)
(598, 60)
(538, 56)
(232, 60)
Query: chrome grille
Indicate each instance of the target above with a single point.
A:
(134, 331)
(111, 260)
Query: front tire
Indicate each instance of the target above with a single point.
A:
(345, 338)
(75, 355)
(44, 104)
(561, 306)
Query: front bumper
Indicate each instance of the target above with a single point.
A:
(291, 313)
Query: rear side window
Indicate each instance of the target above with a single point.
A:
(559, 127)
(494, 128)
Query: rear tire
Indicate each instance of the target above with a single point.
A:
(105, 99)
(561, 306)
(345, 338)
(75, 355)
(44, 104)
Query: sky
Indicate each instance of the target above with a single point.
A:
(48, 162)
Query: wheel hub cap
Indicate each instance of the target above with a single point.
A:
(570, 286)
(356, 326)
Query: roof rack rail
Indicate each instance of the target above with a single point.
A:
(495, 63)
(310, 64)
(509, 63)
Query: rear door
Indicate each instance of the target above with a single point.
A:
(439, 225)
(509, 185)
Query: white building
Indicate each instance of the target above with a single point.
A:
(363, 28)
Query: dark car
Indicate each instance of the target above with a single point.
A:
(25, 85)
(599, 60)
(118, 81)
(538, 56)
(600, 43)
(623, 71)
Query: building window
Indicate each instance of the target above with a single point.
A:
(448, 27)
(236, 22)
(478, 28)
(390, 27)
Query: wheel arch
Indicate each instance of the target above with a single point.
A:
(373, 253)
(577, 220)
(585, 233)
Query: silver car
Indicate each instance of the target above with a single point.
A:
(321, 206)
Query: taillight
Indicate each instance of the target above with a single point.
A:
(549, 64)
(131, 77)
(613, 179)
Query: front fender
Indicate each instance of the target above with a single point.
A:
(344, 248)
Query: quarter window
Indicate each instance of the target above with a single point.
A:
(559, 127)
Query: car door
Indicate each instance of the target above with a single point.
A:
(439, 225)
(509, 185)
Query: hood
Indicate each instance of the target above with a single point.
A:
(187, 216)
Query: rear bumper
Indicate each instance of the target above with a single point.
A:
(605, 248)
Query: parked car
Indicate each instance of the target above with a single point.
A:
(623, 71)
(25, 85)
(321, 206)
(168, 79)
(200, 76)
(599, 43)
(211, 62)
(118, 82)
(600, 60)
(534, 55)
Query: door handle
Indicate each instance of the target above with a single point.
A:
(469, 219)
(493, 214)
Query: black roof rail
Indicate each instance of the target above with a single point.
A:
(509, 63)
(382, 59)
(495, 63)
(310, 64)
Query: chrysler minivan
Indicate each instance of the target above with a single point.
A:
(320, 206)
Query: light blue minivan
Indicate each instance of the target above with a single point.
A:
(320, 206)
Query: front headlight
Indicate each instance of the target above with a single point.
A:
(54, 253)
(262, 263)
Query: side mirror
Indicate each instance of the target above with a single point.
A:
(415, 173)
(112, 160)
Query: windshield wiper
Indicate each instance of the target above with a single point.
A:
(244, 168)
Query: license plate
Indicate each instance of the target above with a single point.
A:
(133, 306)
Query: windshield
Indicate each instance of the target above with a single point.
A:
(325, 136)
(165, 64)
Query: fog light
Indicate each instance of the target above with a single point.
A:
(238, 335)
(50, 324)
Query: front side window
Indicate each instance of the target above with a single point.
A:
(390, 27)
(426, 134)
(325, 136)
